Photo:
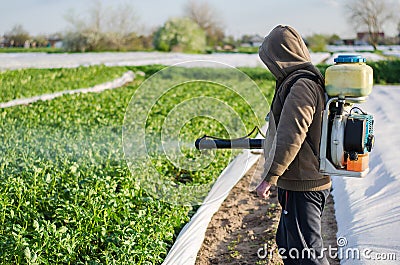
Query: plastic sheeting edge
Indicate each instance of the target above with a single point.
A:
(191, 237)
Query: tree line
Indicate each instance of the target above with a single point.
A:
(116, 29)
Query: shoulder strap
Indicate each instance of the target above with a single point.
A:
(312, 77)
(289, 86)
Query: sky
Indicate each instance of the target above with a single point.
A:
(239, 17)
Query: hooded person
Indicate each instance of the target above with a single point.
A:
(296, 113)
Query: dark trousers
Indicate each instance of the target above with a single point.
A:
(299, 232)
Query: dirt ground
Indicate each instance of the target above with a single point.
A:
(243, 230)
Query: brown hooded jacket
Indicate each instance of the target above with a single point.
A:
(296, 112)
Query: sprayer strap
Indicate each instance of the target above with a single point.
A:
(289, 86)
(312, 77)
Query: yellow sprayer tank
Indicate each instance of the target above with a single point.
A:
(350, 76)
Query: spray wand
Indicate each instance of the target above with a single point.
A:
(211, 142)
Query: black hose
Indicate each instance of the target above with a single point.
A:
(247, 143)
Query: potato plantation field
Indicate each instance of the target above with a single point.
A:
(33, 82)
(67, 195)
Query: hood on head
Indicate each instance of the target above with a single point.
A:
(284, 51)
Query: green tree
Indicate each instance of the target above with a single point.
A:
(317, 42)
(180, 34)
(333, 38)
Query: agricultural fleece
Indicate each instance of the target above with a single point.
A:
(296, 111)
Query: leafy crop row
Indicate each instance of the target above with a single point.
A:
(66, 194)
(32, 82)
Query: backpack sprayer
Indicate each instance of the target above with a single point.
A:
(347, 131)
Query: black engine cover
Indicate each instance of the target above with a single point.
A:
(354, 135)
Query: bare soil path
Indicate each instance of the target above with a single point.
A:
(243, 230)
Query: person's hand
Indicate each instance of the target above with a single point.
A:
(263, 189)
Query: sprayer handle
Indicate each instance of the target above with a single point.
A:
(204, 143)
